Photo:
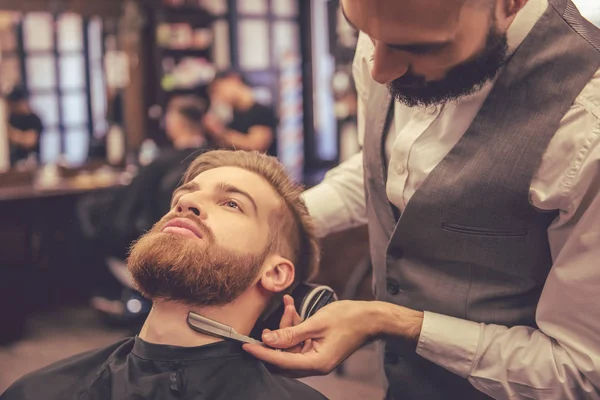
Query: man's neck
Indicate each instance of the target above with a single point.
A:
(167, 322)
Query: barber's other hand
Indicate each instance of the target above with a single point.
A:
(289, 319)
(327, 338)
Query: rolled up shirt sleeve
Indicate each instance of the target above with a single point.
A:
(338, 203)
(509, 363)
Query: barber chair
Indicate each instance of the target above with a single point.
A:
(131, 308)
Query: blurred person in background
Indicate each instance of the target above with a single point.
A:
(24, 128)
(111, 223)
(236, 120)
(237, 236)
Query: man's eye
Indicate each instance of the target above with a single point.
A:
(232, 204)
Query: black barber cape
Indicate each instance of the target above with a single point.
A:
(134, 369)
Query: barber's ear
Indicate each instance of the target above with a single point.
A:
(277, 274)
(512, 7)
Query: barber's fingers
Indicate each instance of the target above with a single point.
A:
(290, 315)
(294, 349)
(296, 364)
(291, 336)
(289, 319)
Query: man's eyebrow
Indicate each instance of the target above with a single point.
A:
(224, 187)
(423, 47)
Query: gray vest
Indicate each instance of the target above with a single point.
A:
(469, 244)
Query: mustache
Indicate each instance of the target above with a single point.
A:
(409, 81)
(206, 231)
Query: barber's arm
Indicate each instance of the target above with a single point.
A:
(559, 360)
(338, 203)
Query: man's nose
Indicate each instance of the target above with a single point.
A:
(388, 64)
(188, 203)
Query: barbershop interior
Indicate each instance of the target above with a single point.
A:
(106, 103)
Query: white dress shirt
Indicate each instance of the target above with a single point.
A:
(562, 357)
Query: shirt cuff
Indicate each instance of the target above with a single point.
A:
(326, 208)
(449, 342)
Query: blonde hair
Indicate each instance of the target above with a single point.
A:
(292, 235)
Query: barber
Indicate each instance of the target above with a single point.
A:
(480, 122)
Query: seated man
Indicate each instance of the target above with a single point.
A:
(237, 236)
(24, 128)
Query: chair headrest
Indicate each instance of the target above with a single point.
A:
(308, 299)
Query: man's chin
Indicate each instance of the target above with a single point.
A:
(410, 100)
(414, 98)
(182, 269)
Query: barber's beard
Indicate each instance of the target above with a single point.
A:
(462, 80)
(178, 268)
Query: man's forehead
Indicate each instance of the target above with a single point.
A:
(252, 183)
(412, 20)
(229, 173)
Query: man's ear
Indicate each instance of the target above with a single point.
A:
(277, 274)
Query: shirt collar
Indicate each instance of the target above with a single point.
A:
(159, 352)
(523, 23)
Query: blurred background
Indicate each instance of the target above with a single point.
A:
(102, 102)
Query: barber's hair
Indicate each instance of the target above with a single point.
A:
(292, 233)
(190, 108)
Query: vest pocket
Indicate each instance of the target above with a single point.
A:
(478, 231)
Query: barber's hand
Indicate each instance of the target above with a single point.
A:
(327, 338)
(289, 319)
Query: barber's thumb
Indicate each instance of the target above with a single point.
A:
(283, 338)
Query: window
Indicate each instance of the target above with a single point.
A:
(62, 70)
(267, 44)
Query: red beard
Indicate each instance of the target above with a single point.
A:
(198, 273)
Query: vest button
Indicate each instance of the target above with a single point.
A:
(391, 358)
(393, 287)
